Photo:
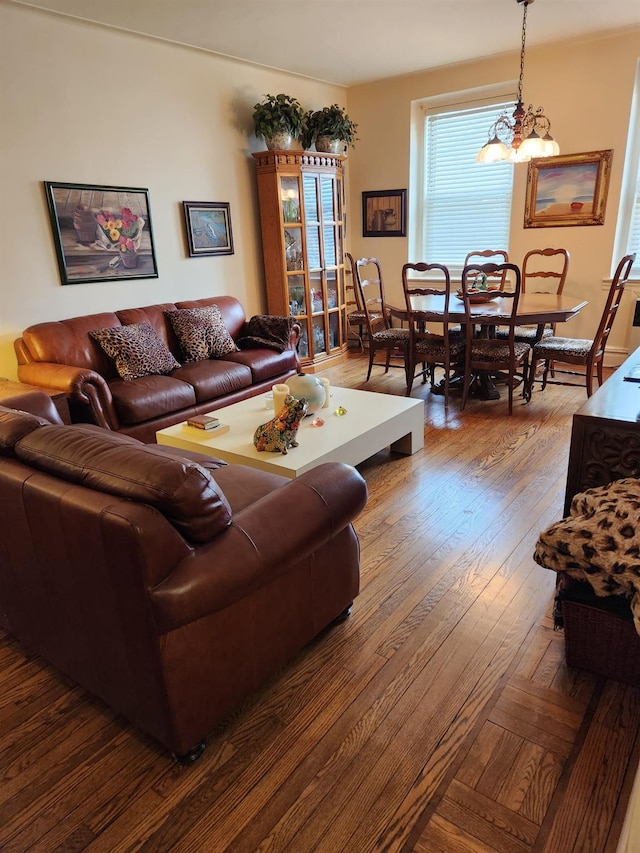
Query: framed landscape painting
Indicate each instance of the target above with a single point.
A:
(569, 189)
(101, 233)
(208, 227)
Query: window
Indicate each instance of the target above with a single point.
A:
(465, 206)
(628, 224)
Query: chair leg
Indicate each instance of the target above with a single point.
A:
(545, 373)
(372, 353)
(466, 382)
(600, 374)
(409, 373)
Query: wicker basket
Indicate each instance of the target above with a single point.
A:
(600, 640)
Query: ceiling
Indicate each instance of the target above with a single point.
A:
(353, 41)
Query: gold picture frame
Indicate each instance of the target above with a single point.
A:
(570, 189)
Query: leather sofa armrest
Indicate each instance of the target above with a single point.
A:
(264, 540)
(82, 386)
(35, 402)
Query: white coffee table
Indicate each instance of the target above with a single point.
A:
(373, 421)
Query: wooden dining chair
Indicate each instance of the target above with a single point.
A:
(493, 256)
(588, 353)
(441, 348)
(490, 355)
(380, 333)
(355, 311)
(543, 271)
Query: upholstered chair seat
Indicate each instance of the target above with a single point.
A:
(553, 347)
(488, 351)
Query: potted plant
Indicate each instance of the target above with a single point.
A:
(330, 128)
(279, 119)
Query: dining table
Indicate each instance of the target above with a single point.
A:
(534, 309)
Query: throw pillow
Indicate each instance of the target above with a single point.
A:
(201, 333)
(136, 349)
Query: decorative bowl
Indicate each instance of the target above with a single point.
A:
(478, 297)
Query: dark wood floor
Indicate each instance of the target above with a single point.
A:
(440, 717)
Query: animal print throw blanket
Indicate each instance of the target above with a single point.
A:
(263, 330)
(599, 542)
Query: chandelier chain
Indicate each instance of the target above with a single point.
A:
(522, 49)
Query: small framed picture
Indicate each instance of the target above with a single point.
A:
(101, 233)
(208, 227)
(384, 213)
(570, 189)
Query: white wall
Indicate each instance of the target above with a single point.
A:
(81, 103)
(586, 89)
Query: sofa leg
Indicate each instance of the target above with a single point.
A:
(192, 755)
(342, 617)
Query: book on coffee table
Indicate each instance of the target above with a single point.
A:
(216, 429)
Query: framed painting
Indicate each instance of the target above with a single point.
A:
(101, 233)
(384, 213)
(569, 189)
(208, 227)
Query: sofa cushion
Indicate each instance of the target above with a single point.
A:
(214, 378)
(266, 363)
(150, 397)
(182, 490)
(201, 332)
(14, 425)
(137, 350)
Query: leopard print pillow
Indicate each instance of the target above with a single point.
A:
(201, 333)
(136, 349)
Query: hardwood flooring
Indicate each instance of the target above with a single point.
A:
(439, 718)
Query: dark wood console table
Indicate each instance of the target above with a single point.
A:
(605, 437)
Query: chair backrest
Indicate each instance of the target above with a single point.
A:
(353, 293)
(485, 256)
(611, 305)
(469, 274)
(370, 285)
(413, 287)
(545, 270)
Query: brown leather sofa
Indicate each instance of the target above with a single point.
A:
(167, 583)
(63, 355)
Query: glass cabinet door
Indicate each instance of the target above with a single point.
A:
(323, 232)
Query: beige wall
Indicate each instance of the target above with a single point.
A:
(86, 104)
(586, 89)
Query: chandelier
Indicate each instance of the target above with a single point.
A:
(524, 134)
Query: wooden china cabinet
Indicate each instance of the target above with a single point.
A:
(301, 196)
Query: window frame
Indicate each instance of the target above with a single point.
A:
(498, 97)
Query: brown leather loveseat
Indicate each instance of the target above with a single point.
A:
(169, 584)
(63, 355)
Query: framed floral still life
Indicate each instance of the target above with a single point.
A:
(208, 227)
(569, 189)
(101, 233)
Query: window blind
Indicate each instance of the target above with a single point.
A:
(467, 205)
(633, 244)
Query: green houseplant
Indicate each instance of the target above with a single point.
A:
(330, 128)
(279, 119)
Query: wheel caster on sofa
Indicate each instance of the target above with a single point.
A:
(342, 617)
(192, 755)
